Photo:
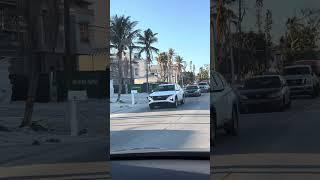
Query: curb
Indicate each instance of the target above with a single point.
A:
(127, 108)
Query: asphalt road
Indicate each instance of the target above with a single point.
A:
(272, 145)
(186, 127)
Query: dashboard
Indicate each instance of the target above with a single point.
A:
(160, 169)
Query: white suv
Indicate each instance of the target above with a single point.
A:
(204, 87)
(224, 107)
(302, 80)
(167, 94)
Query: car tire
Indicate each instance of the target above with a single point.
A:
(233, 127)
(213, 129)
(183, 100)
(283, 105)
(176, 102)
(289, 104)
(313, 94)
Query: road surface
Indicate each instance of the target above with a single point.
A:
(186, 127)
(279, 145)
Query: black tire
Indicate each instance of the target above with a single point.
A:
(289, 104)
(176, 102)
(213, 129)
(183, 100)
(233, 127)
(314, 93)
(283, 105)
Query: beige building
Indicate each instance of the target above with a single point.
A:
(96, 58)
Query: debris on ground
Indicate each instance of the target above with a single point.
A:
(53, 140)
(36, 142)
(4, 129)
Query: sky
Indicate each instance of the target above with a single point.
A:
(180, 24)
(281, 11)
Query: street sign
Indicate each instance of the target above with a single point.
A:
(77, 95)
(134, 91)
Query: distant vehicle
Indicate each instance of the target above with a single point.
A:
(315, 65)
(204, 87)
(167, 94)
(224, 107)
(192, 90)
(265, 91)
(302, 80)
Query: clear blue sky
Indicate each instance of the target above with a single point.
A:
(182, 25)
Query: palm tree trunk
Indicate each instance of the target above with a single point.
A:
(119, 75)
(32, 92)
(130, 62)
(147, 76)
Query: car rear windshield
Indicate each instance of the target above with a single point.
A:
(192, 87)
(296, 70)
(262, 82)
(166, 88)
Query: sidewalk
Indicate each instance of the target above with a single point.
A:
(52, 123)
(125, 104)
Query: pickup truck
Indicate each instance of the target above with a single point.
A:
(302, 80)
(315, 65)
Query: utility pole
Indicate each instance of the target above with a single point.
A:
(67, 58)
(231, 54)
(239, 38)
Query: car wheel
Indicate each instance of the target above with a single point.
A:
(213, 123)
(182, 101)
(233, 127)
(289, 104)
(282, 106)
(315, 92)
(176, 102)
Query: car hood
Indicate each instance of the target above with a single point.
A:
(292, 77)
(162, 93)
(258, 91)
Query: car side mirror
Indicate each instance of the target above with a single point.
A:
(216, 89)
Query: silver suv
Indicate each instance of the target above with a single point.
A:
(224, 106)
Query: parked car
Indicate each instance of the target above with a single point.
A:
(167, 94)
(315, 65)
(265, 91)
(204, 87)
(224, 107)
(302, 80)
(192, 90)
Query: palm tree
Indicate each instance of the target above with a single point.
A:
(122, 31)
(30, 43)
(131, 48)
(163, 63)
(179, 61)
(146, 40)
(171, 53)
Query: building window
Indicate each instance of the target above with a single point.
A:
(136, 71)
(84, 32)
